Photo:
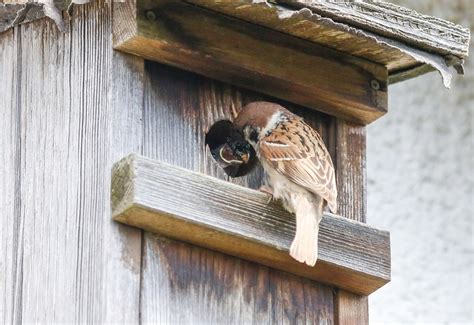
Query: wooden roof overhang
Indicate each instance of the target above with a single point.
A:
(335, 57)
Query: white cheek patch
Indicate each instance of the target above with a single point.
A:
(281, 159)
(274, 144)
(272, 123)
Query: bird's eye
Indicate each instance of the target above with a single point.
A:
(251, 133)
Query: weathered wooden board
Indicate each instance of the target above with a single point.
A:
(238, 221)
(179, 108)
(384, 18)
(350, 143)
(350, 308)
(121, 245)
(11, 239)
(66, 100)
(342, 26)
(220, 289)
(253, 57)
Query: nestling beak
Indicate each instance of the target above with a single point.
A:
(245, 157)
(230, 150)
(227, 156)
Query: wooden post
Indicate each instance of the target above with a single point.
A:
(351, 309)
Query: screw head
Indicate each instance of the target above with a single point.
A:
(374, 84)
(150, 15)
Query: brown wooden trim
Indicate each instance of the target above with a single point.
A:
(350, 143)
(254, 57)
(350, 308)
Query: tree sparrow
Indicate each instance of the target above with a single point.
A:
(298, 169)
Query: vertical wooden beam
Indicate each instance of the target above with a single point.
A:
(350, 160)
(350, 309)
(11, 243)
(122, 245)
(351, 170)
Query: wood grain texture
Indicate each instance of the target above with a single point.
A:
(238, 221)
(350, 162)
(350, 308)
(62, 114)
(186, 36)
(219, 289)
(179, 108)
(323, 27)
(422, 31)
(122, 245)
(11, 220)
(351, 170)
(384, 18)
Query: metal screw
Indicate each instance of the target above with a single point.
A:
(150, 15)
(374, 84)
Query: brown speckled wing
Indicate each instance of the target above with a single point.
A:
(297, 151)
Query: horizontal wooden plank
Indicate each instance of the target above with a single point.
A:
(238, 221)
(254, 57)
(329, 25)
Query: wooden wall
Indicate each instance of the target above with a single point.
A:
(64, 98)
(70, 107)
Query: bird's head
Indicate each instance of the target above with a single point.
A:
(233, 144)
(257, 119)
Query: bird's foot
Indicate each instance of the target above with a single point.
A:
(267, 190)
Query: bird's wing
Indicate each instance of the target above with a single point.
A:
(297, 151)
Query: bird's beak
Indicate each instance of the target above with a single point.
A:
(230, 162)
(245, 158)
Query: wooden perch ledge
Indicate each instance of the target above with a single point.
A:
(235, 220)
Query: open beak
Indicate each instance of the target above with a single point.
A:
(245, 158)
(231, 161)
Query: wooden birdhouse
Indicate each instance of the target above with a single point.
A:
(105, 119)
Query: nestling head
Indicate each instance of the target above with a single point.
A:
(230, 150)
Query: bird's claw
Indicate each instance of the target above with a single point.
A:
(267, 190)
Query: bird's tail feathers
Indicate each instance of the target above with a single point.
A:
(309, 211)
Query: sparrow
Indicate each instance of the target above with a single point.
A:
(298, 169)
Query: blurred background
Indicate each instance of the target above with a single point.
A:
(420, 160)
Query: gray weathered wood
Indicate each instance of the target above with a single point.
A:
(184, 35)
(235, 220)
(384, 18)
(122, 245)
(66, 102)
(11, 220)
